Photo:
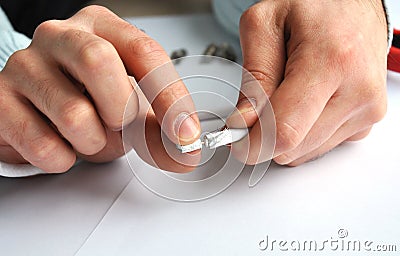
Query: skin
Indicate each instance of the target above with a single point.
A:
(47, 121)
(321, 63)
(323, 66)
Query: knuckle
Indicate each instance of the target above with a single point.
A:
(38, 145)
(341, 56)
(96, 55)
(338, 54)
(76, 118)
(18, 61)
(42, 148)
(145, 46)
(44, 153)
(74, 113)
(20, 72)
(253, 18)
(263, 77)
(373, 96)
(46, 28)
(94, 10)
(129, 28)
(12, 132)
(287, 137)
(24, 77)
(377, 112)
(372, 91)
(345, 55)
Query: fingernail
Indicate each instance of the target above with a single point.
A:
(245, 105)
(185, 128)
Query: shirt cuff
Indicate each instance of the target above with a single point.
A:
(10, 42)
(387, 4)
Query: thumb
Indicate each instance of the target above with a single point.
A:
(262, 38)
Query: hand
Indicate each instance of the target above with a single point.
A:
(47, 120)
(323, 65)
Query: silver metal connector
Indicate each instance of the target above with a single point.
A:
(215, 139)
(198, 144)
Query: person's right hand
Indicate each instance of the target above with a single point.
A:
(322, 65)
(47, 120)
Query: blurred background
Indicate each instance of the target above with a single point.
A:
(34, 12)
(126, 8)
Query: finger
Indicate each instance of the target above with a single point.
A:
(343, 108)
(3, 142)
(24, 130)
(60, 101)
(111, 151)
(360, 135)
(8, 154)
(264, 55)
(259, 145)
(144, 136)
(302, 96)
(141, 54)
(334, 115)
(11, 156)
(296, 105)
(348, 130)
(95, 63)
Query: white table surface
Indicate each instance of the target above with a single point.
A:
(355, 187)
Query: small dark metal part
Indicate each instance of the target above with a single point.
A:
(223, 50)
(210, 50)
(178, 54)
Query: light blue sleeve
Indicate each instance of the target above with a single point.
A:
(228, 13)
(10, 40)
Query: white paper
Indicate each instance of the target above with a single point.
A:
(55, 214)
(354, 190)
